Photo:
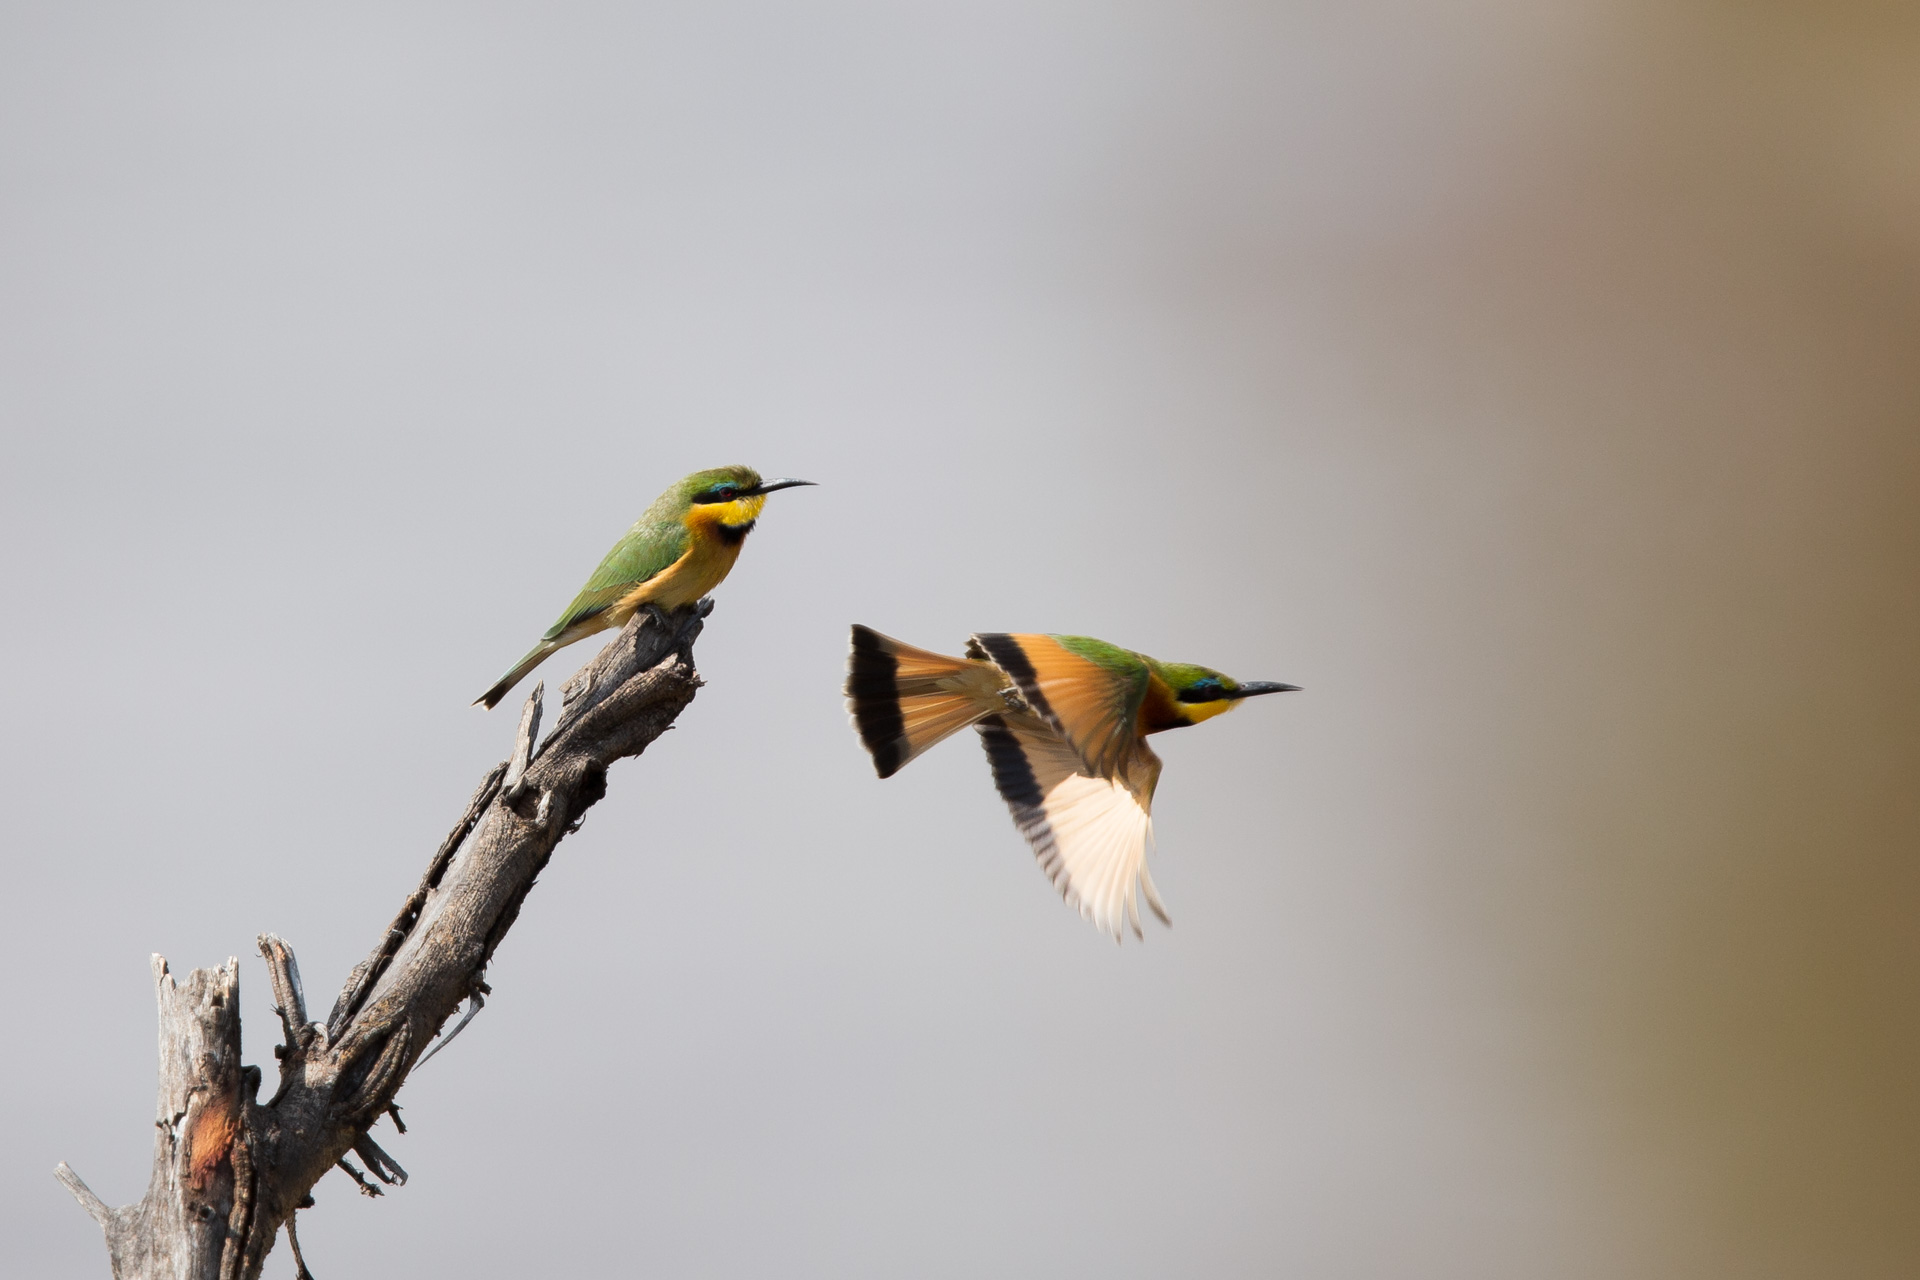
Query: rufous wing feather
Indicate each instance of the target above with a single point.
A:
(1093, 706)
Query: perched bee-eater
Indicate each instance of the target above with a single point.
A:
(681, 548)
(1065, 721)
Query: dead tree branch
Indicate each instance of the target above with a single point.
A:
(228, 1170)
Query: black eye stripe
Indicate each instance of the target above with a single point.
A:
(1201, 691)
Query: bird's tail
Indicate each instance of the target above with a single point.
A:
(504, 685)
(904, 699)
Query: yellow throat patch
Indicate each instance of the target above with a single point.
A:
(703, 516)
(1195, 712)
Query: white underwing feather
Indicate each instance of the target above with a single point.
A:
(1091, 835)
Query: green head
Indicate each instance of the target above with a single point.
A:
(1201, 693)
(719, 485)
(723, 497)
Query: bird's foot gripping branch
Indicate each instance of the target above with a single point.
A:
(228, 1169)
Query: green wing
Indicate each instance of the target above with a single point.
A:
(648, 549)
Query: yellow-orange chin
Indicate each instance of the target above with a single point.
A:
(1195, 712)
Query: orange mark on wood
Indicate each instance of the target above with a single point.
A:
(210, 1133)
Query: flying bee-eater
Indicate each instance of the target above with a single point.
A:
(1065, 721)
(682, 547)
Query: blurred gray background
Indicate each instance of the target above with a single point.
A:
(1536, 384)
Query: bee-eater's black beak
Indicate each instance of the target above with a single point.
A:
(1254, 688)
(768, 486)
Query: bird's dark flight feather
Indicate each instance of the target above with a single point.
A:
(874, 699)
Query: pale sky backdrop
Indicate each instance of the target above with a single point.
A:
(1537, 384)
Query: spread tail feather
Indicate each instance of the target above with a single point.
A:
(503, 686)
(903, 699)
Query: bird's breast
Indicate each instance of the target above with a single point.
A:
(1158, 709)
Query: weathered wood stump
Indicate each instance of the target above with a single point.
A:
(229, 1170)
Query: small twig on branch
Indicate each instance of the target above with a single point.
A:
(300, 1271)
(379, 1163)
(475, 1003)
(523, 743)
(366, 1188)
(289, 1000)
(96, 1207)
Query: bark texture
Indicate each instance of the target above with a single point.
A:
(228, 1169)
